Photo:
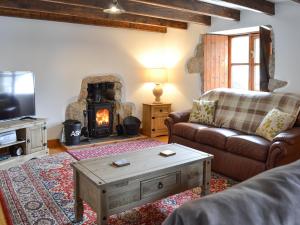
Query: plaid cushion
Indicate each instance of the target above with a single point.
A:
(245, 110)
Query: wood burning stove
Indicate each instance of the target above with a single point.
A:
(100, 108)
(100, 119)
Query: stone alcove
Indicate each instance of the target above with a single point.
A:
(75, 110)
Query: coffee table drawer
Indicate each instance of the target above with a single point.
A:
(160, 184)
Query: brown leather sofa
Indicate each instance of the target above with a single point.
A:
(236, 155)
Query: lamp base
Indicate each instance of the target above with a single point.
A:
(157, 92)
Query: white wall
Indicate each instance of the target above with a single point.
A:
(286, 25)
(61, 54)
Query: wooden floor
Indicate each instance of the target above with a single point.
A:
(58, 149)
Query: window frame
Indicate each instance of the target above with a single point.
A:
(251, 64)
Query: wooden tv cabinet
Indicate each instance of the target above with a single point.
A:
(31, 136)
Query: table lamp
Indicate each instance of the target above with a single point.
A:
(157, 76)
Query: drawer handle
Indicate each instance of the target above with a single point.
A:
(153, 130)
(153, 118)
(160, 185)
(160, 110)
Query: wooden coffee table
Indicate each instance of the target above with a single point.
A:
(109, 190)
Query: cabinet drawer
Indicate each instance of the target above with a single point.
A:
(164, 109)
(160, 184)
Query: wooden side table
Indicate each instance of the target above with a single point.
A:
(153, 119)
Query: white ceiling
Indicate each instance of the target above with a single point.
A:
(219, 2)
(229, 5)
(278, 0)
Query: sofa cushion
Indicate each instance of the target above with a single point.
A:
(203, 112)
(187, 130)
(215, 137)
(250, 146)
(274, 123)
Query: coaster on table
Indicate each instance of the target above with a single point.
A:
(167, 153)
(121, 162)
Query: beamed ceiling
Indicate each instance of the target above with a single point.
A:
(149, 15)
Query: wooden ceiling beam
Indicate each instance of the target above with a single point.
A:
(258, 5)
(94, 13)
(195, 6)
(138, 8)
(79, 20)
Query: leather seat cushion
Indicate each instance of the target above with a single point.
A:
(249, 146)
(187, 130)
(215, 137)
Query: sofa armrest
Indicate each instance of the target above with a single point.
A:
(181, 116)
(176, 117)
(291, 136)
(285, 148)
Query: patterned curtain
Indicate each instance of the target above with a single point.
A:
(265, 56)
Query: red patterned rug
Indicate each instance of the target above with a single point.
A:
(40, 192)
(113, 149)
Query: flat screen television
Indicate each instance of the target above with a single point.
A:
(17, 95)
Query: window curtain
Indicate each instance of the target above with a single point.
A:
(265, 56)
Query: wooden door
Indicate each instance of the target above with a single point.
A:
(216, 55)
(159, 125)
(36, 139)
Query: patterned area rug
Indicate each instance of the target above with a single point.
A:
(113, 149)
(40, 192)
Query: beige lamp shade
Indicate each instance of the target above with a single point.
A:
(157, 75)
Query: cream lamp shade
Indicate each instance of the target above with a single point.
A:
(157, 76)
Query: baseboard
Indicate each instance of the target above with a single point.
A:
(54, 143)
(104, 141)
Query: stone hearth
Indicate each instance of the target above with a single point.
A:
(75, 110)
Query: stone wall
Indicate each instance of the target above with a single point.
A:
(75, 110)
(196, 64)
(274, 83)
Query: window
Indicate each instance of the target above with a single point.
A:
(244, 62)
(17, 83)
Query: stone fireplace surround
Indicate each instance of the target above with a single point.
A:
(74, 110)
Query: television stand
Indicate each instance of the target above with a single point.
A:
(31, 136)
(28, 118)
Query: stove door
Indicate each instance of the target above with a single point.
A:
(102, 118)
